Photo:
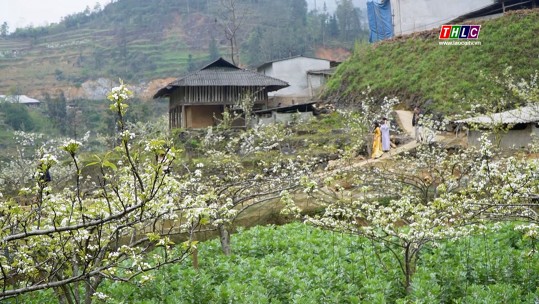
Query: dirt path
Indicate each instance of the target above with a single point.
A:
(405, 121)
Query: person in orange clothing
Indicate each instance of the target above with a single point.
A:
(377, 142)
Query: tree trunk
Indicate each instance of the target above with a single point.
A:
(75, 288)
(410, 260)
(195, 258)
(225, 239)
(91, 288)
(63, 295)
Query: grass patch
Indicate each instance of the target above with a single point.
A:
(416, 68)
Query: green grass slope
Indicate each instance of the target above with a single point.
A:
(416, 68)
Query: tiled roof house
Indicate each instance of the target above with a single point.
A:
(196, 99)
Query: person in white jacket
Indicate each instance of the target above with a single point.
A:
(386, 144)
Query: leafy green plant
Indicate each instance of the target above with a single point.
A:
(297, 263)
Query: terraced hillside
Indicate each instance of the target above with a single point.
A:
(71, 57)
(139, 40)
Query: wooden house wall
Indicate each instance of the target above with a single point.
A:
(201, 116)
(194, 107)
(215, 95)
(175, 117)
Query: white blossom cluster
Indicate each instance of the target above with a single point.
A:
(120, 93)
(527, 90)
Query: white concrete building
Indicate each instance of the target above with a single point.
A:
(520, 127)
(411, 16)
(295, 71)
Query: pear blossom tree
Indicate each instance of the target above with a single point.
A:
(519, 93)
(516, 92)
(245, 104)
(116, 224)
(372, 109)
(362, 114)
(427, 195)
(401, 205)
(16, 172)
(506, 187)
(432, 193)
(503, 187)
(526, 90)
(241, 170)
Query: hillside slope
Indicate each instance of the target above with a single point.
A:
(139, 40)
(131, 39)
(418, 70)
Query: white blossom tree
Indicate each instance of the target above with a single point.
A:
(117, 224)
(401, 205)
(520, 95)
(427, 195)
(240, 170)
(17, 171)
(503, 187)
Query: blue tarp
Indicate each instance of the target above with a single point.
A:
(380, 20)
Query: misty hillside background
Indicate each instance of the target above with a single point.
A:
(139, 40)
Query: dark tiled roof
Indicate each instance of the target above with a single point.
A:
(227, 77)
(302, 107)
(223, 73)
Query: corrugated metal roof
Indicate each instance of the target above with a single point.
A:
(327, 72)
(526, 114)
(19, 99)
(265, 64)
(223, 73)
(496, 8)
